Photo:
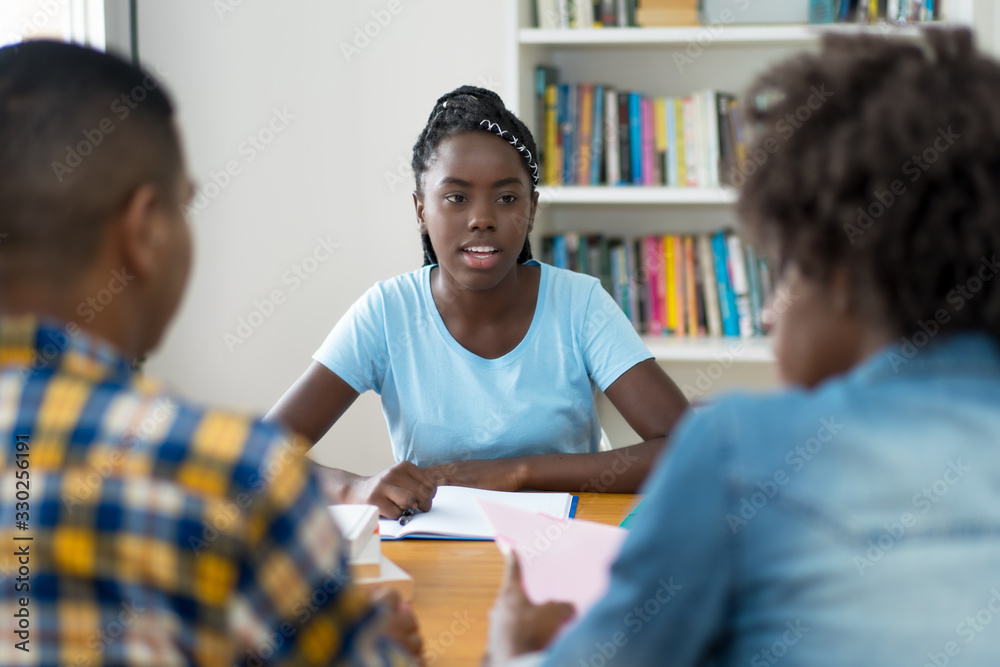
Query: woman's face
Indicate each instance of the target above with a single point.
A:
(815, 334)
(477, 206)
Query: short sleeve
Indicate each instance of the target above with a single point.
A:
(610, 344)
(356, 348)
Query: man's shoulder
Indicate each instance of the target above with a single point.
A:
(212, 450)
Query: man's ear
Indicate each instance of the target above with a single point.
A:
(143, 231)
(418, 206)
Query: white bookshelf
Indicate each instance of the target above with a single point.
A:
(626, 195)
(712, 349)
(646, 59)
(747, 35)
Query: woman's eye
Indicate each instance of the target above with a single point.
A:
(456, 199)
(508, 199)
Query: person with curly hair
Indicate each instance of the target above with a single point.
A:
(852, 518)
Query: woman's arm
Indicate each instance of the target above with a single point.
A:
(650, 402)
(310, 407)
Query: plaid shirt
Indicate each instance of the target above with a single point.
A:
(156, 532)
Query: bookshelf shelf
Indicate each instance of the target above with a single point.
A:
(626, 195)
(763, 35)
(707, 349)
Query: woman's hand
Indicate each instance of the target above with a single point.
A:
(399, 487)
(516, 624)
(494, 474)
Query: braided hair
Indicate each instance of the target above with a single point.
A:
(472, 109)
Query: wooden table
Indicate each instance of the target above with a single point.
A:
(455, 583)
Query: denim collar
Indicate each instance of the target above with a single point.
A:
(961, 353)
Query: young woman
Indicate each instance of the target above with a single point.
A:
(853, 518)
(485, 359)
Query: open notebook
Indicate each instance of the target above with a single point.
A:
(455, 514)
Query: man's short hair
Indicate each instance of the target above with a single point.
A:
(80, 131)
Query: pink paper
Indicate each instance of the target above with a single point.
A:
(561, 561)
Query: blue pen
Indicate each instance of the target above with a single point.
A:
(406, 516)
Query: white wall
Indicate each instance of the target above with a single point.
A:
(324, 175)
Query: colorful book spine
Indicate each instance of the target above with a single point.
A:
(624, 140)
(690, 285)
(648, 142)
(690, 149)
(670, 123)
(710, 111)
(680, 287)
(570, 154)
(706, 261)
(671, 282)
(727, 298)
(756, 299)
(635, 136)
(660, 123)
(553, 158)
(650, 262)
(584, 133)
(597, 139)
(682, 173)
(563, 119)
(612, 170)
(560, 256)
(740, 284)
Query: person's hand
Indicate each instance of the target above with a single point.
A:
(494, 474)
(399, 487)
(516, 624)
(401, 624)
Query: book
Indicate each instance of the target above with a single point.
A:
(741, 285)
(624, 141)
(597, 140)
(552, 156)
(727, 298)
(706, 262)
(690, 285)
(612, 170)
(566, 560)
(358, 524)
(391, 576)
(455, 515)
(670, 270)
(635, 136)
(545, 76)
(680, 286)
(584, 134)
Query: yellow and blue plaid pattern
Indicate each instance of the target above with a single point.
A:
(157, 532)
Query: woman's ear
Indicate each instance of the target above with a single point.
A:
(534, 208)
(418, 206)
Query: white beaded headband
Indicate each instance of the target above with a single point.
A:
(516, 143)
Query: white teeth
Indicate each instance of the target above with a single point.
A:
(480, 249)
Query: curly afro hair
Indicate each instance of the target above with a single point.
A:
(464, 110)
(882, 157)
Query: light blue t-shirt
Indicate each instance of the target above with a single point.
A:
(443, 403)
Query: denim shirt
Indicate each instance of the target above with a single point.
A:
(854, 524)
